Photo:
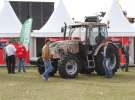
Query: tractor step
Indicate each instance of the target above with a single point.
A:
(90, 60)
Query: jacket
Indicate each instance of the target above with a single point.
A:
(45, 52)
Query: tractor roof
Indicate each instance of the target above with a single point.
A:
(87, 24)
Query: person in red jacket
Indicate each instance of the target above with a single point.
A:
(21, 54)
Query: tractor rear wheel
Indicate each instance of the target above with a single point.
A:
(99, 68)
(111, 56)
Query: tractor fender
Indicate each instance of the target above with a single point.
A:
(109, 43)
(105, 47)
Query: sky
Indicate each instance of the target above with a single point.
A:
(129, 6)
(78, 9)
(1, 4)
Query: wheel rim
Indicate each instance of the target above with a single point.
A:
(71, 67)
(111, 61)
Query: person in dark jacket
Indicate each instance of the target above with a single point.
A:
(126, 51)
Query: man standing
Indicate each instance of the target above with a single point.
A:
(10, 51)
(21, 55)
(126, 48)
(46, 59)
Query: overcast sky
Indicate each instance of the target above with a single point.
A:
(80, 8)
(129, 6)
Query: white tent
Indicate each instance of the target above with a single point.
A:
(53, 26)
(33, 0)
(10, 26)
(118, 24)
(129, 6)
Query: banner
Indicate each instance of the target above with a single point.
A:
(26, 32)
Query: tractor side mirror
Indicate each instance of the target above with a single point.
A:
(64, 29)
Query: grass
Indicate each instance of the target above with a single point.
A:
(30, 86)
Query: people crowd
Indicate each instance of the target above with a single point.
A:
(15, 57)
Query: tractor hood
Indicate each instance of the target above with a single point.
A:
(61, 48)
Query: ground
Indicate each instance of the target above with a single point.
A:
(30, 86)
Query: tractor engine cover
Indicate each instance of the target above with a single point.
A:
(60, 48)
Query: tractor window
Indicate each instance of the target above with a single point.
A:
(93, 35)
(103, 31)
(78, 32)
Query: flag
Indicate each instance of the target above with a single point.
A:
(25, 33)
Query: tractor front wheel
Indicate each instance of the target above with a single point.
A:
(68, 67)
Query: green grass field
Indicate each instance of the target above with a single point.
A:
(30, 86)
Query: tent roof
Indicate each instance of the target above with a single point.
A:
(34, 0)
(129, 6)
(118, 23)
(57, 19)
(53, 26)
(9, 23)
(46, 34)
(9, 35)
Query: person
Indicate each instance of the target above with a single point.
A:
(46, 58)
(126, 43)
(21, 55)
(107, 67)
(126, 49)
(10, 51)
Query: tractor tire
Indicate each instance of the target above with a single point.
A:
(40, 65)
(69, 66)
(99, 68)
(41, 68)
(112, 55)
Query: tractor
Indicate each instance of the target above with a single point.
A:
(88, 49)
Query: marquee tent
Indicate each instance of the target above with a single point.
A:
(34, 0)
(120, 27)
(10, 26)
(128, 6)
(118, 24)
(53, 26)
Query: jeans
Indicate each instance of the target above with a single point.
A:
(21, 65)
(10, 60)
(48, 68)
(107, 67)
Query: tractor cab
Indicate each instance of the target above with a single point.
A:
(88, 32)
